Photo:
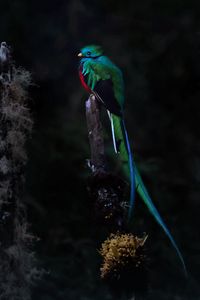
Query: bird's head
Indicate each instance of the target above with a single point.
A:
(91, 51)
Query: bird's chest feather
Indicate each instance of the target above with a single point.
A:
(84, 81)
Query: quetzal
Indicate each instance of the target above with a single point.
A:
(102, 78)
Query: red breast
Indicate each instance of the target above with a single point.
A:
(84, 84)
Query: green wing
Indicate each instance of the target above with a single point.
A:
(103, 69)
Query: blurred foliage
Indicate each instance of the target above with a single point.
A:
(156, 43)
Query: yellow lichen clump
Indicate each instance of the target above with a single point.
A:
(119, 251)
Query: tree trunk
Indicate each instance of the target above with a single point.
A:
(106, 189)
(16, 125)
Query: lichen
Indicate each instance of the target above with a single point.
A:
(120, 251)
(17, 262)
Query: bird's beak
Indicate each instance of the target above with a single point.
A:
(80, 54)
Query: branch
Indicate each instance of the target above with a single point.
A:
(97, 162)
(106, 189)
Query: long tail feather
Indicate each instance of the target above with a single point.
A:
(147, 200)
(132, 171)
(122, 146)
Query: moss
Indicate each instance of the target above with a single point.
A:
(16, 259)
(120, 251)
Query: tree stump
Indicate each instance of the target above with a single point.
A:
(106, 189)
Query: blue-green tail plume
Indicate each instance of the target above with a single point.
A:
(122, 146)
(132, 171)
(147, 200)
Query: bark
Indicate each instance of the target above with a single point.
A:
(106, 189)
(95, 134)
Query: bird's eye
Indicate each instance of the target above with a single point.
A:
(88, 53)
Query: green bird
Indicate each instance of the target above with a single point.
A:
(102, 78)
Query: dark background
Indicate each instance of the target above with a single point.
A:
(157, 45)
